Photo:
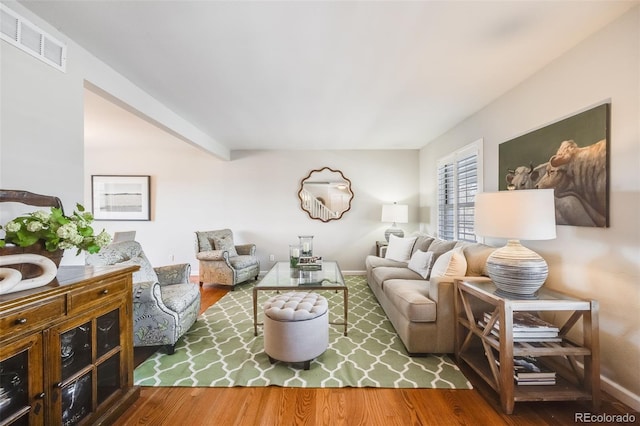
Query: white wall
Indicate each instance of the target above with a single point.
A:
(254, 194)
(598, 263)
(41, 138)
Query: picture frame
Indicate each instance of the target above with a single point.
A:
(121, 197)
(571, 156)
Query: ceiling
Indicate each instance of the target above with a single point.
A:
(329, 74)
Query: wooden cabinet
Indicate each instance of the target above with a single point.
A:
(575, 357)
(66, 349)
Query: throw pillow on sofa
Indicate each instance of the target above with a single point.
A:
(439, 247)
(420, 263)
(450, 264)
(400, 248)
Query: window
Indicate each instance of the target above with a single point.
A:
(459, 177)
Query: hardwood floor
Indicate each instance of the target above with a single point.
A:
(342, 406)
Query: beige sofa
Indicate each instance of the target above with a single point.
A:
(421, 310)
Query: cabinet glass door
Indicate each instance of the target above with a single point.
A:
(76, 400)
(108, 377)
(14, 379)
(108, 332)
(75, 349)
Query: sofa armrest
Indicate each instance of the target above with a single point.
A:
(246, 249)
(173, 274)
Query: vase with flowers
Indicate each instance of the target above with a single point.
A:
(49, 233)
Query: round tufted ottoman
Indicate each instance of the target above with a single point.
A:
(296, 327)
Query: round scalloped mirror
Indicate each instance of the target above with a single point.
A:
(325, 194)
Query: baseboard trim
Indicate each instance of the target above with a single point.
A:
(620, 393)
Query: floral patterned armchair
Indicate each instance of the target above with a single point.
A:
(165, 304)
(223, 262)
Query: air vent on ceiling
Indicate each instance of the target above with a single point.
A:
(16, 30)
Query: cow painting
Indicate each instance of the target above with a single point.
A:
(580, 173)
(569, 209)
(525, 177)
(569, 155)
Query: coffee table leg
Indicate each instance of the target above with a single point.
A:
(346, 310)
(255, 311)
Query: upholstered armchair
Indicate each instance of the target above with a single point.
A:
(223, 262)
(165, 304)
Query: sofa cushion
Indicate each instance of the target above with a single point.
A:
(476, 255)
(400, 248)
(384, 273)
(421, 262)
(412, 298)
(439, 247)
(223, 240)
(178, 297)
(450, 264)
(423, 241)
(243, 261)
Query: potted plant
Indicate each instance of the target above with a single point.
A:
(49, 233)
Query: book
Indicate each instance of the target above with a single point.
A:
(528, 367)
(535, 382)
(526, 328)
(526, 322)
(527, 336)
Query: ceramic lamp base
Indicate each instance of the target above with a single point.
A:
(516, 269)
(395, 231)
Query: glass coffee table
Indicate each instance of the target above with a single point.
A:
(282, 277)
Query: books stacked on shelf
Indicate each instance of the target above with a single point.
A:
(526, 328)
(528, 371)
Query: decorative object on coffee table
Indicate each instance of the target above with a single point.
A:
(395, 213)
(294, 255)
(516, 215)
(306, 245)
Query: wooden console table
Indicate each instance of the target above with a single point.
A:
(66, 349)
(492, 358)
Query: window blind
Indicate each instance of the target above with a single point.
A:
(458, 183)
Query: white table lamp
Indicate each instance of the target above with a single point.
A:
(516, 215)
(395, 213)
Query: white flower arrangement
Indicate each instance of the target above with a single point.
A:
(55, 230)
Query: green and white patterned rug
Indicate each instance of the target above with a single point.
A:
(220, 350)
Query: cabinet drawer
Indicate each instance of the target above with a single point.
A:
(30, 315)
(95, 294)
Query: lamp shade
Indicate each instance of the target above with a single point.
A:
(518, 215)
(395, 213)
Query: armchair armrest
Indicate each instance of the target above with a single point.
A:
(173, 274)
(146, 292)
(246, 249)
(210, 255)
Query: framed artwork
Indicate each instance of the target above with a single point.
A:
(121, 197)
(572, 157)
